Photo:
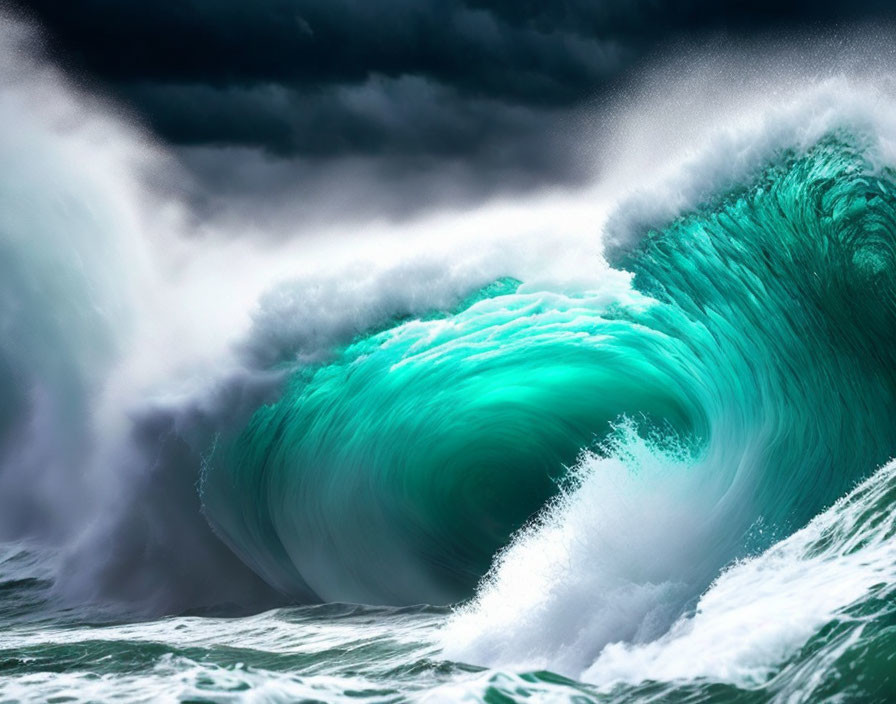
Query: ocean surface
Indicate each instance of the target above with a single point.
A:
(628, 443)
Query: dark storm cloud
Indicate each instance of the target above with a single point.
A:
(297, 42)
(381, 116)
(409, 84)
(225, 71)
(388, 145)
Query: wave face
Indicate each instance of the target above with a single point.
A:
(738, 382)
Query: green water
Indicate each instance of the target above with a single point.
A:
(756, 333)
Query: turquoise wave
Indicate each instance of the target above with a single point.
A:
(756, 338)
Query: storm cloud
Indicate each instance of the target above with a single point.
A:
(487, 90)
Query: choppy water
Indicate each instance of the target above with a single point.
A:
(812, 619)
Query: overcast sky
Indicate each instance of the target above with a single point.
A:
(427, 100)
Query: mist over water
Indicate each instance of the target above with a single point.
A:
(633, 434)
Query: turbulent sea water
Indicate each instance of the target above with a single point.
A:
(629, 444)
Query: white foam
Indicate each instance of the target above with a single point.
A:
(559, 598)
(763, 610)
(610, 560)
